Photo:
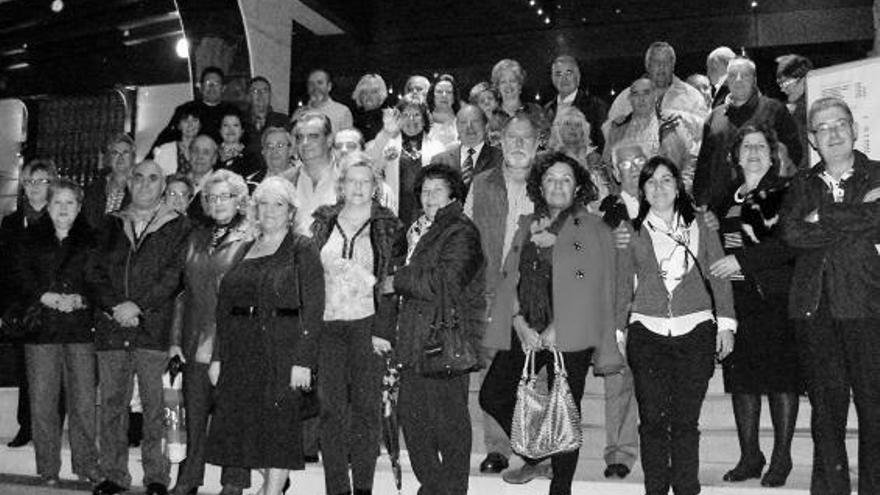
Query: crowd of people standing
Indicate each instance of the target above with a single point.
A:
(286, 261)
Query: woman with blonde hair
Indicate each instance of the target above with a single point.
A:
(369, 97)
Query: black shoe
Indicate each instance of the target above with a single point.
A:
(616, 470)
(745, 470)
(231, 490)
(183, 490)
(156, 489)
(493, 463)
(286, 485)
(107, 487)
(776, 476)
(310, 459)
(21, 439)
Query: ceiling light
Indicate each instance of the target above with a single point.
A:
(531, 3)
(57, 6)
(540, 11)
(18, 66)
(182, 48)
(546, 20)
(754, 4)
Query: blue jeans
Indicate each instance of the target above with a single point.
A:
(116, 370)
(49, 368)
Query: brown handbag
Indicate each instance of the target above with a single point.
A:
(544, 424)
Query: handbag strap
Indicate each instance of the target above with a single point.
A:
(559, 363)
(528, 371)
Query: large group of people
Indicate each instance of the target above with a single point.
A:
(285, 262)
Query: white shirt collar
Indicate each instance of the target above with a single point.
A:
(632, 204)
(568, 100)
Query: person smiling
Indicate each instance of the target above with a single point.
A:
(672, 324)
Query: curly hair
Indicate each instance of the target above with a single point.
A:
(772, 141)
(452, 177)
(683, 205)
(585, 191)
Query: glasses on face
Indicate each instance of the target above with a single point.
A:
(784, 84)
(632, 163)
(563, 73)
(36, 182)
(277, 146)
(825, 129)
(179, 195)
(220, 198)
(212, 84)
(411, 116)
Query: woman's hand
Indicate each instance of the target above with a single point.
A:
(381, 346)
(50, 299)
(621, 236)
(214, 373)
(726, 267)
(300, 378)
(391, 121)
(386, 286)
(126, 312)
(711, 221)
(724, 344)
(620, 337)
(548, 337)
(528, 337)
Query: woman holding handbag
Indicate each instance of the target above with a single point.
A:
(557, 293)
(440, 317)
(360, 242)
(677, 318)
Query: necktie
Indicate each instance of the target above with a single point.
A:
(467, 169)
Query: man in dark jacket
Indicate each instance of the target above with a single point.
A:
(134, 277)
(832, 216)
(566, 76)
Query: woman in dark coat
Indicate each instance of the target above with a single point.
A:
(557, 293)
(60, 351)
(444, 263)
(211, 250)
(759, 265)
(360, 243)
(269, 317)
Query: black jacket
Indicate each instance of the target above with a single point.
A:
(838, 258)
(146, 271)
(46, 264)
(388, 238)
(95, 202)
(447, 263)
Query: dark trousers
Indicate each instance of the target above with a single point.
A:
(437, 429)
(23, 413)
(350, 388)
(838, 356)
(498, 398)
(69, 367)
(116, 371)
(671, 376)
(198, 399)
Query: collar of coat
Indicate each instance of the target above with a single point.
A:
(161, 216)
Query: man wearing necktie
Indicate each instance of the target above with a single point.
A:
(473, 155)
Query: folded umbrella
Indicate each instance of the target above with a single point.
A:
(390, 426)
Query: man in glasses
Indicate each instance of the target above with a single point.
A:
(832, 219)
(260, 115)
(210, 106)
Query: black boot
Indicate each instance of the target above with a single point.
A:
(747, 412)
(783, 412)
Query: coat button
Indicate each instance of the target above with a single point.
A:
(578, 246)
(504, 273)
(577, 221)
(579, 274)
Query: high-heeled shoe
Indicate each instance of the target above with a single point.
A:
(776, 476)
(746, 469)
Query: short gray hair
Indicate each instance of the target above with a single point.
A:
(223, 176)
(659, 46)
(277, 186)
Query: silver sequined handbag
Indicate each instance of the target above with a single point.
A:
(544, 424)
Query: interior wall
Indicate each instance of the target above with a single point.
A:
(268, 28)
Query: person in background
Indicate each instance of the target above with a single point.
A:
(108, 193)
(759, 266)
(830, 216)
(135, 276)
(34, 182)
(178, 192)
(566, 76)
(556, 292)
(260, 114)
(233, 153)
(319, 85)
(484, 96)
(210, 108)
(495, 202)
(508, 78)
(443, 273)
(269, 324)
(791, 76)
(60, 352)
(316, 179)
(716, 70)
(351, 141)
(276, 151)
(472, 155)
(370, 97)
(443, 104)
(416, 88)
(361, 243)
(204, 160)
(211, 251)
(703, 85)
(570, 134)
(174, 155)
(672, 325)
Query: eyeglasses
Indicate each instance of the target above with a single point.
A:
(212, 84)
(825, 129)
(411, 115)
(787, 83)
(638, 161)
(178, 194)
(277, 146)
(220, 198)
(36, 182)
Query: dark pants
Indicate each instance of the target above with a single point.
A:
(350, 388)
(498, 398)
(437, 429)
(116, 370)
(671, 376)
(52, 368)
(838, 356)
(198, 398)
(23, 413)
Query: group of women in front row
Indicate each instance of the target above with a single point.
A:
(288, 307)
